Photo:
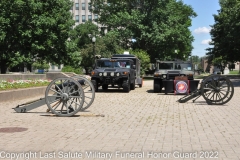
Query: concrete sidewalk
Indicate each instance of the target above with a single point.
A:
(137, 125)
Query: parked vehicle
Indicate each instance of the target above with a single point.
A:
(120, 72)
(169, 73)
(137, 64)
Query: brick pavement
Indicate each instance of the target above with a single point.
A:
(139, 124)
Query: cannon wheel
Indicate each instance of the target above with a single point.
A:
(217, 89)
(69, 97)
(88, 90)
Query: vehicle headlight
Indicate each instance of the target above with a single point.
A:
(105, 74)
(112, 74)
(125, 73)
(100, 74)
(118, 74)
(156, 74)
(92, 73)
(164, 76)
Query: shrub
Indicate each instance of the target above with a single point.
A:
(39, 65)
(71, 69)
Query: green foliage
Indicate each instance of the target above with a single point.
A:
(40, 65)
(225, 32)
(234, 72)
(220, 62)
(35, 29)
(74, 54)
(80, 34)
(71, 69)
(195, 59)
(105, 45)
(159, 27)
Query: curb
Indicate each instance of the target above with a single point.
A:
(12, 95)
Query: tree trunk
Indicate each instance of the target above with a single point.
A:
(3, 68)
(86, 70)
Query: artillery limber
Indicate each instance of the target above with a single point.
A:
(64, 97)
(215, 89)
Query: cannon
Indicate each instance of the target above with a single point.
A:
(215, 89)
(64, 97)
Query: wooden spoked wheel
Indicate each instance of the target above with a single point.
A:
(64, 97)
(88, 89)
(217, 89)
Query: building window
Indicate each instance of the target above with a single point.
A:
(77, 18)
(77, 6)
(53, 67)
(83, 18)
(89, 17)
(95, 17)
(59, 66)
(83, 6)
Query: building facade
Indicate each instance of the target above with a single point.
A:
(81, 12)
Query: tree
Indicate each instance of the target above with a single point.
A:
(195, 60)
(80, 35)
(105, 45)
(35, 29)
(225, 33)
(159, 27)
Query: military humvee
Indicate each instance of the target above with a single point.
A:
(112, 72)
(174, 76)
(137, 64)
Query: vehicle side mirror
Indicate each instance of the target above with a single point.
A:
(153, 67)
(134, 66)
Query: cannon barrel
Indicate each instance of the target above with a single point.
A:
(64, 84)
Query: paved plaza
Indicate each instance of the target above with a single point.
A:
(136, 125)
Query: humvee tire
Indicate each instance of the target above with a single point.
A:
(105, 87)
(132, 85)
(126, 86)
(156, 86)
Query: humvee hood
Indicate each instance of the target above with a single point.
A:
(112, 69)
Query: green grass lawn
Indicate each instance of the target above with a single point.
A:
(234, 72)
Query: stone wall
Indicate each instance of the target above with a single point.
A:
(17, 94)
(48, 75)
(22, 76)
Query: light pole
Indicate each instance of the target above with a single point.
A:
(93, 37)
(94, 40)
(94, 54)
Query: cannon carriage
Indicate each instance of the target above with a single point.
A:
(215, 89)
(64, 97)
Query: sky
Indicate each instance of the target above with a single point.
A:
(201, 24)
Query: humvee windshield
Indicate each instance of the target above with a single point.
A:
(165, 65)
(113, 64)
(183, 66)
(175, 66)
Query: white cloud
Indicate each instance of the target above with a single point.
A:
(206, 41)
(202, 30)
